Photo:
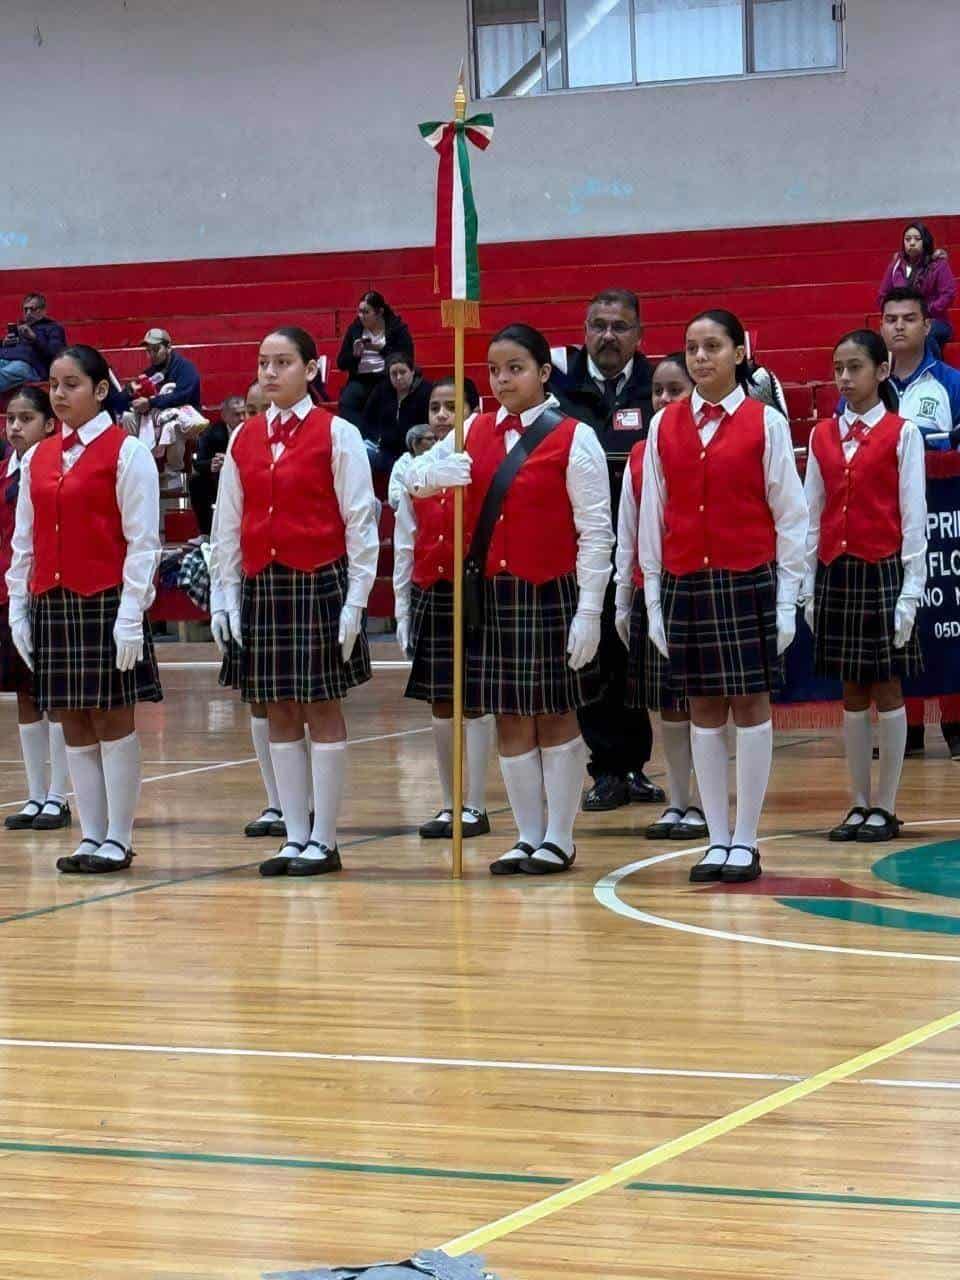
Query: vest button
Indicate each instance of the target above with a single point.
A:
(56, 528)
(273, 551)
(703, 454)
(440, 570)
(440, 538)
(57, 576)
(269, 511)
(701, 506)
(503, 564)
(843, 543)
(706, 559)
(501, 519)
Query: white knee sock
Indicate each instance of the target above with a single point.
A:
(858, 737)
(709, 750)
(892, 734)
(679, 759)
(443, 746)
(260, 733)
(86, 773)
(563, 769)
(329, 761)
(523, 779)
(121, 775)
(292, 768)
(59, 778)
(479, 734)
(34, 740)
(754, 758)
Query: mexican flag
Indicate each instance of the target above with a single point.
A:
(457, 272)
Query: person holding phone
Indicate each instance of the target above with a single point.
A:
(30, 345)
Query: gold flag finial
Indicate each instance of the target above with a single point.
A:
(460, 97)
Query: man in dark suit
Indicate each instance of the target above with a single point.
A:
(607, 384)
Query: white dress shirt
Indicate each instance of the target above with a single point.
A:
(913, 500)
(625, 554)
(404, 537)
(13, 465)
(588, 488)
(396, 486)
(138, 497)
(784, 494)
(353, 485)
(623, 377)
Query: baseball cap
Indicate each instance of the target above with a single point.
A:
(153, 338)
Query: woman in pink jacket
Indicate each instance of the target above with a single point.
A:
(920, 264)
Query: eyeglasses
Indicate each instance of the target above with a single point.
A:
(618, 327)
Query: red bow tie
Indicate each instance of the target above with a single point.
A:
(711, 413)
(281, 432)
(857, 430)
(511, 422)
(71, 438)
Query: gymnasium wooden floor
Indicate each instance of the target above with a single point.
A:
(205, 1074)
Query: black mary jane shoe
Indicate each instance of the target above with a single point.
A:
(264, 825)
(879, 831)
(704, 872)
(664, 825)
(93, 864)
(606, 793)
(277, 865)
(532, 866)
(316, 866)
(742, 875)
(24, 820)
(690, 830)
(511, 866)
(640, 790)
(55, 821)
(438, 828)
(847, 830)
(477, 825)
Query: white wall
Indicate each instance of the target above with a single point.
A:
(177, 129)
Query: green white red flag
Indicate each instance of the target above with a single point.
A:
(457, 272)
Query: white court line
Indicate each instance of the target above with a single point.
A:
(486, 1064)
(605, 892)
(230, 764)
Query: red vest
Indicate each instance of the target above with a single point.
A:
(636, 479)
(861, 513)
(78, 539)
(535, 537)
(433, 541)
(290, 511)
(716, 514)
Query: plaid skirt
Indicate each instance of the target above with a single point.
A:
(15, 675)
(853, 622)
(517, 662)
(721, 627)
(75, 658)
(289, 621)
(648, 672)
(431, 639)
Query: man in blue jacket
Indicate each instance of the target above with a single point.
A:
(167, 366)
(929, 390)
(30, 346)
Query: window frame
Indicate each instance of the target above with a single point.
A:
(749, 59)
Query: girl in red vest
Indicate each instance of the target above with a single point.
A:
(866, 570)
(29, 420)
(723, 525)
(295, 552)
(648, 683)
(532, 664)
(423, 594)
(85, 552)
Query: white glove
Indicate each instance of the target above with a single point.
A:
(453, 471)
(220, 629)
(128, 637)
(809, 611)
(622, 623)
(904, 616)
(403, 634)
(351, 619)
(583, 640)
(22, 633)
(655, 628)
(786, 627)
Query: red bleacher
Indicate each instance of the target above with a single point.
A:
(796, 287)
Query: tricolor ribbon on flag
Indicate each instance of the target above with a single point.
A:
(457, 273)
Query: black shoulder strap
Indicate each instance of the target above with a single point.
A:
(504, 478)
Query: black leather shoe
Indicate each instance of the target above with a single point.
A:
(742, 875)
(642, 791)
(705, 872)
(687, 830)
(847, 830)
(665, 825)
(277, 866)
(607, 793)
(511, 866)
(264, 825)
(315, 866)
(94, 863)
(475, 823)
(54, 816)
(25, 818)
(915, 741)
(439, 827)
(874, 833)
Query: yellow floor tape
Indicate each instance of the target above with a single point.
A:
(621, 1173)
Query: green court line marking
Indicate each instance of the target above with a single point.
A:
(856, 912)
(282, 1162)
(795, 1197)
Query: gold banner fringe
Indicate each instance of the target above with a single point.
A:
(450, 312)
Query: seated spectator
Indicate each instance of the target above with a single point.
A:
(929, 390)
(922, 266)
(419, 440)
(30, 345)
(400, 402)
(208, 461)
(376, 331)
(176, 384)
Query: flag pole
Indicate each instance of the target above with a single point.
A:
(459, 326)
